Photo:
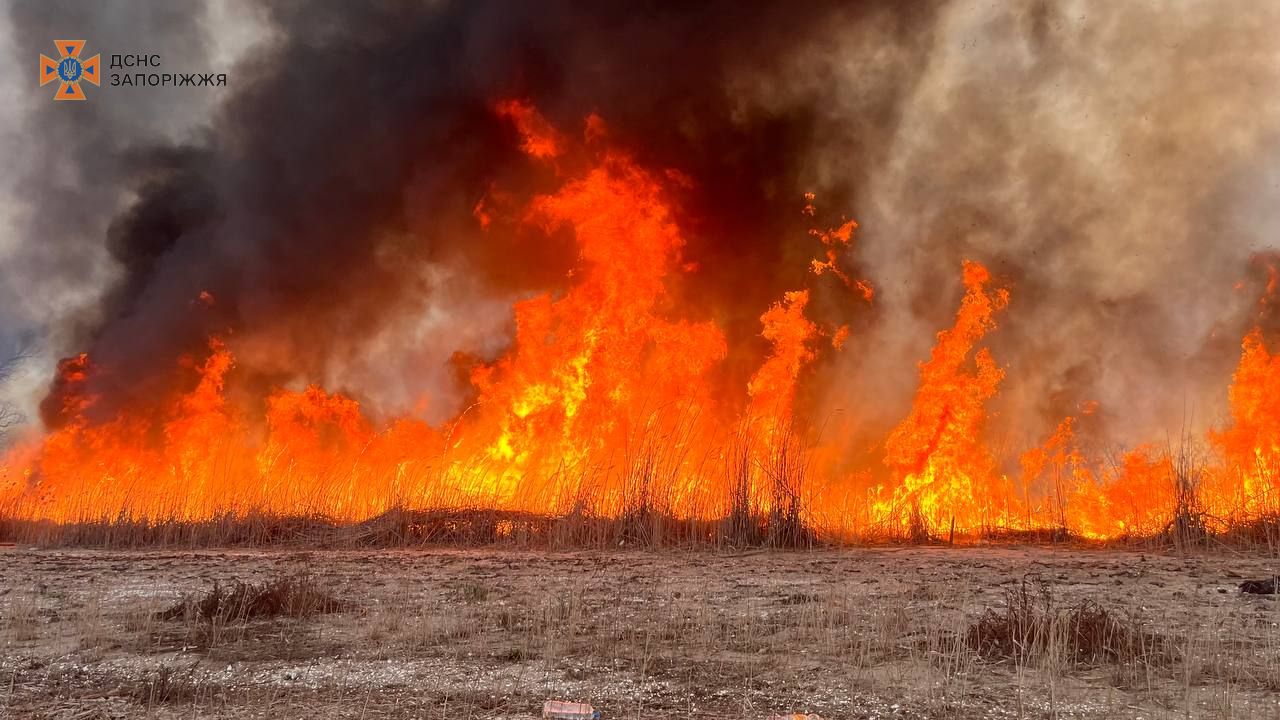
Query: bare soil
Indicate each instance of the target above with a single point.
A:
(491, 633)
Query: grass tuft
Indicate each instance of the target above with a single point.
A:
(1032, 627)
(294, 596)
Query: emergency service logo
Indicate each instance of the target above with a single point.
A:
(70, 70)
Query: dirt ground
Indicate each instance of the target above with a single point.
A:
(858, 633)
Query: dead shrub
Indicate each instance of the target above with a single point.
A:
(1032, 626)
(293, 596)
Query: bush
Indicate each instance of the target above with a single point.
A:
(295, 596)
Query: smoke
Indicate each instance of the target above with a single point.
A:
(1114, 165)
(70, 166)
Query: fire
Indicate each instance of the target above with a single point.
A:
(943, 471)
(615, 394)
(603, 365)
(1136, 499)
(540, 139)
(772, 389)
(1249, 480)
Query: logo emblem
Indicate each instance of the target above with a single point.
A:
(70, 70)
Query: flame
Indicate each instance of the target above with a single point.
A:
(1051, 472)
(538, 138)
(604, 362)
(614, 394)
(943, 472)
(1249, 480)
(772, 388)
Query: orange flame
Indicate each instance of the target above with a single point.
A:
(1249, 480)
(614, 393)
(943, 471)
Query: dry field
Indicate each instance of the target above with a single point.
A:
(881, 632)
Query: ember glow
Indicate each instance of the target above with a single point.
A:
(615, 394)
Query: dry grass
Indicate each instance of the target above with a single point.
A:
(294, 596)
(642, 524)
(925, 632)
(1032, 627)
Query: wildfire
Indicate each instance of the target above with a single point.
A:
(612, 395)
(604, 365)
(1248, 481)
(942, 467)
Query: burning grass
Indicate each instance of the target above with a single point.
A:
(619, 414)
(645, 527)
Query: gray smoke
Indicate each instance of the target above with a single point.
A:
(1116, 165)
(71, 167)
